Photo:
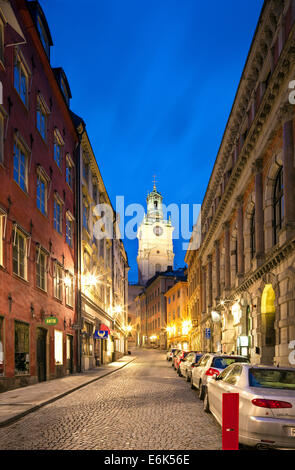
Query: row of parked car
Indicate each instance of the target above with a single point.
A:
(266, 394)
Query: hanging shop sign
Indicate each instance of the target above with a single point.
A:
(51, 321)
(103, 334)
(208, 333)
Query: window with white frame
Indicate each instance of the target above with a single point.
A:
(42, 119)
(57, 209)
(43, 35)
(58, 146)
(2, 222)
(19, 253)
(42, 194)
(58, 347)
(69, 290)
(20, 166)
(1, 41)
(58, 282)
(41, 264)
(69, 230)
(1, 138)
(69, 171)
(21, 79)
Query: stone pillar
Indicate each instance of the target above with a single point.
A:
(259, 213)
(240, 235)
(210, 286)
(225, 227)
(289, 175)
(217, 268)
(204, 300)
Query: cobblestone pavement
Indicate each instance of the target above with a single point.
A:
(143, 406)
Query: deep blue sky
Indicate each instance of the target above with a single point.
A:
(155, 81)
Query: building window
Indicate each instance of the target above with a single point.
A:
(69, 290)
(19, 254)
(43, 35)
(58, 347)
(87, 339)
(58, 282)
(278, 204)
(69, 231)
(21, 80)
(69, 171)
(2, 221)
(85, 171)
(57, 222)
(1, 348)
(41, 194)
(178, 312)
(21, 348)
(85, 217)
(41, 119)
(58, 145)
(20, 167)
(1, 139)
(41, 262)
(252, 235)
(1, 41)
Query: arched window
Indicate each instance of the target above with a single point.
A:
(252, 235)
(278, 204)
(158, 268)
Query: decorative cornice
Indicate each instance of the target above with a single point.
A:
(259, 122)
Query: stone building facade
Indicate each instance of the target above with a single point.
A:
(247, 255)
(179, 324)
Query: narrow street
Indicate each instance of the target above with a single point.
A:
(144, 406)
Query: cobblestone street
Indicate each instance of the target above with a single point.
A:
(143, 406)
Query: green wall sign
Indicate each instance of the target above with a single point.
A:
(51, 321)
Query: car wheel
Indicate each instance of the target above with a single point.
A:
(187, 377)
(201, 391)
(206, 403)
(192, 385)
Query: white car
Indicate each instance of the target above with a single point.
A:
(266, 403)
(186, 366)
(209, 365)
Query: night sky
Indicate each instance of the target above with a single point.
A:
(155, 81)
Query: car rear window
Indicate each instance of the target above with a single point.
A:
(198, 357)
(271, 378)
(223, 362)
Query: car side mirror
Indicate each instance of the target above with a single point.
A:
(215, 377)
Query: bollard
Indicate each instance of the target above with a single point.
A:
(230, 421)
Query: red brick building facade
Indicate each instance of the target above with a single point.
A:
(37, 206)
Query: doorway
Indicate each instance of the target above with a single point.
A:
(41, 354)
(70, 365)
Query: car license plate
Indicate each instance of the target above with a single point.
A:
(292, 432)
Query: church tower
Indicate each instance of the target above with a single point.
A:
(155, 246)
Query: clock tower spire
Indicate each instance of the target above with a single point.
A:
(155, 246)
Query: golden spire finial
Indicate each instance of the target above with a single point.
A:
(155, 183)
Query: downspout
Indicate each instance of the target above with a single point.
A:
(78, 248)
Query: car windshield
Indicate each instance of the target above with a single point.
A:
(223, 362)
(198, 357)
(271, 378)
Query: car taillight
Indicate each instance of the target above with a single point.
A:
(263, 403)
(212, 371)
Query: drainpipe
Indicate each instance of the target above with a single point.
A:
(79, 246)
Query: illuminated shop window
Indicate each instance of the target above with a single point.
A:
(58, 347)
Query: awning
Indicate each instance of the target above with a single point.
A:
(104, 328)
(11, 19)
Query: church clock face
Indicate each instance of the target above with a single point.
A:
(158, 231)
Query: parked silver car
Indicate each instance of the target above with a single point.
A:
(266, 403)
(210, 364)
(170, 353)
(186, 366)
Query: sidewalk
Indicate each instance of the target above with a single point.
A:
(17, 403)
